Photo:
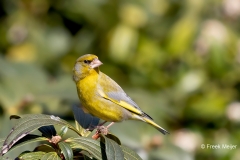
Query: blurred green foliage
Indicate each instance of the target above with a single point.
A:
(179, 60)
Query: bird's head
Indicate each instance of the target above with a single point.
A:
(85, 65)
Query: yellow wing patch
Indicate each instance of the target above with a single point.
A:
(121, 103)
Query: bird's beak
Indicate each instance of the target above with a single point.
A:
(95, 63)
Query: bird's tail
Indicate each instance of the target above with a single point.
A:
(149, 120)
(155, 125)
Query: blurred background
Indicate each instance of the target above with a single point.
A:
(179, 60)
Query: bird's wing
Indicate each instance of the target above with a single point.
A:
(116, 94)
(114, 97)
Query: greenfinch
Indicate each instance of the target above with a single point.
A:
(102, 97)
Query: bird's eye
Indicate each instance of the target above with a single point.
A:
(87, 61)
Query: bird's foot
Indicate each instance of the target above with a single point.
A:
(101, 130)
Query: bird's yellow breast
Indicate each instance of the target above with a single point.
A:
(86, 89)
(96, 105)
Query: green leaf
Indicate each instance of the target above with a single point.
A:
(88, 158)
(1, 143)
(114, 138)
(83, 131)
(28, 139)
(113, 150)
(130, 154)
(30, 123)
(66, 150)
(91, 146)
(44, 148)
(50, 156)
(63, 131)
(31, 155)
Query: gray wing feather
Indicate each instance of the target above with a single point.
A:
(122, 97)
(117, 93)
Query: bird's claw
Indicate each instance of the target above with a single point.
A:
(100, 130)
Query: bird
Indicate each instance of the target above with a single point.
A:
(102, 97)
